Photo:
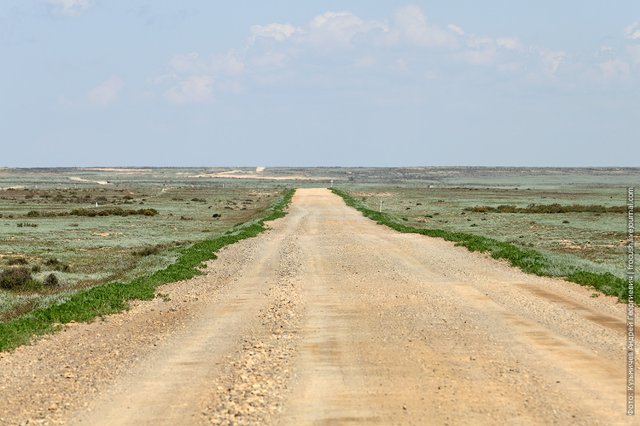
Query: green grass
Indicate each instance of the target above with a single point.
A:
(114, 297)
(528, 260)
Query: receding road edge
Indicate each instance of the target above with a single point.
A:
(113, 297)
(528, 260)
(328, 318)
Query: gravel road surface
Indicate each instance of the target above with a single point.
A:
(329, 318)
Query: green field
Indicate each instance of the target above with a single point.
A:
(91, 226)
(574, 220)
(88, 232)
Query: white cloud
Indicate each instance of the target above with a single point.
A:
(106, 92)
(69, 7)
(194, 89)
(614, 68)
(230, 64)
(633, 31)
(278, 32)
(456, 29)
(551, 60)
(410, 25)
(509, 43)
(338, 29)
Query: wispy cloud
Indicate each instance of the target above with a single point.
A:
(410, 26)
(194, 89)
(337, 30)
(405, 43)
(614, 68)
(106, 92)
(551, 60)
(275, 31)
(69, 7)
(193, 79)
(632, 32)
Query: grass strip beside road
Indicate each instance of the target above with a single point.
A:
(114, 297)
(527, 260)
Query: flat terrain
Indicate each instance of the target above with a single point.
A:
(329, 318)
(77, 230)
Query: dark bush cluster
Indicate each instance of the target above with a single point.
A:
(51, 280)
(14, 277)
(113, 212)
(57, 265)
(17, 261)
(548, 208)
(148, 251)
(116, 211)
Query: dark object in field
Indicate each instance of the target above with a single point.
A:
(148, 251)
(17, 261)
(216, 215)
(14, 277)
(114, 211)
(57, 265)
(199, 200)
(51, 280)
(26, 225)
(548, 208)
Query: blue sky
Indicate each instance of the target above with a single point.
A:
(308, 83)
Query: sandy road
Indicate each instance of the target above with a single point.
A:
(331, 319)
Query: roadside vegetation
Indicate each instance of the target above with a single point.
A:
(85, 305)
(548, 208)
(527, 259)
(89, 234)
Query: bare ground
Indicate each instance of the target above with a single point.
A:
(329, 318)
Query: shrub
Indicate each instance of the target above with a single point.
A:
(55, 264)
(51, 280)
(148, 251)
(17, 261)
(116, 211)
(548, 208)
(15, 277)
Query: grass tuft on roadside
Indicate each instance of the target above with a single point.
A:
(114, 297)
(527, 260)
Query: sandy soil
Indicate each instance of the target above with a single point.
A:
(329, 318)
(240, 174)
(79, 179)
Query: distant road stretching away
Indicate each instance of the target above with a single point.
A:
(329, 318)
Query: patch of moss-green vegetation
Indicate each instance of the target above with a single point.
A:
(528, 260)
(115, 296)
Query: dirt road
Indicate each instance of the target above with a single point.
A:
(329, 318)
